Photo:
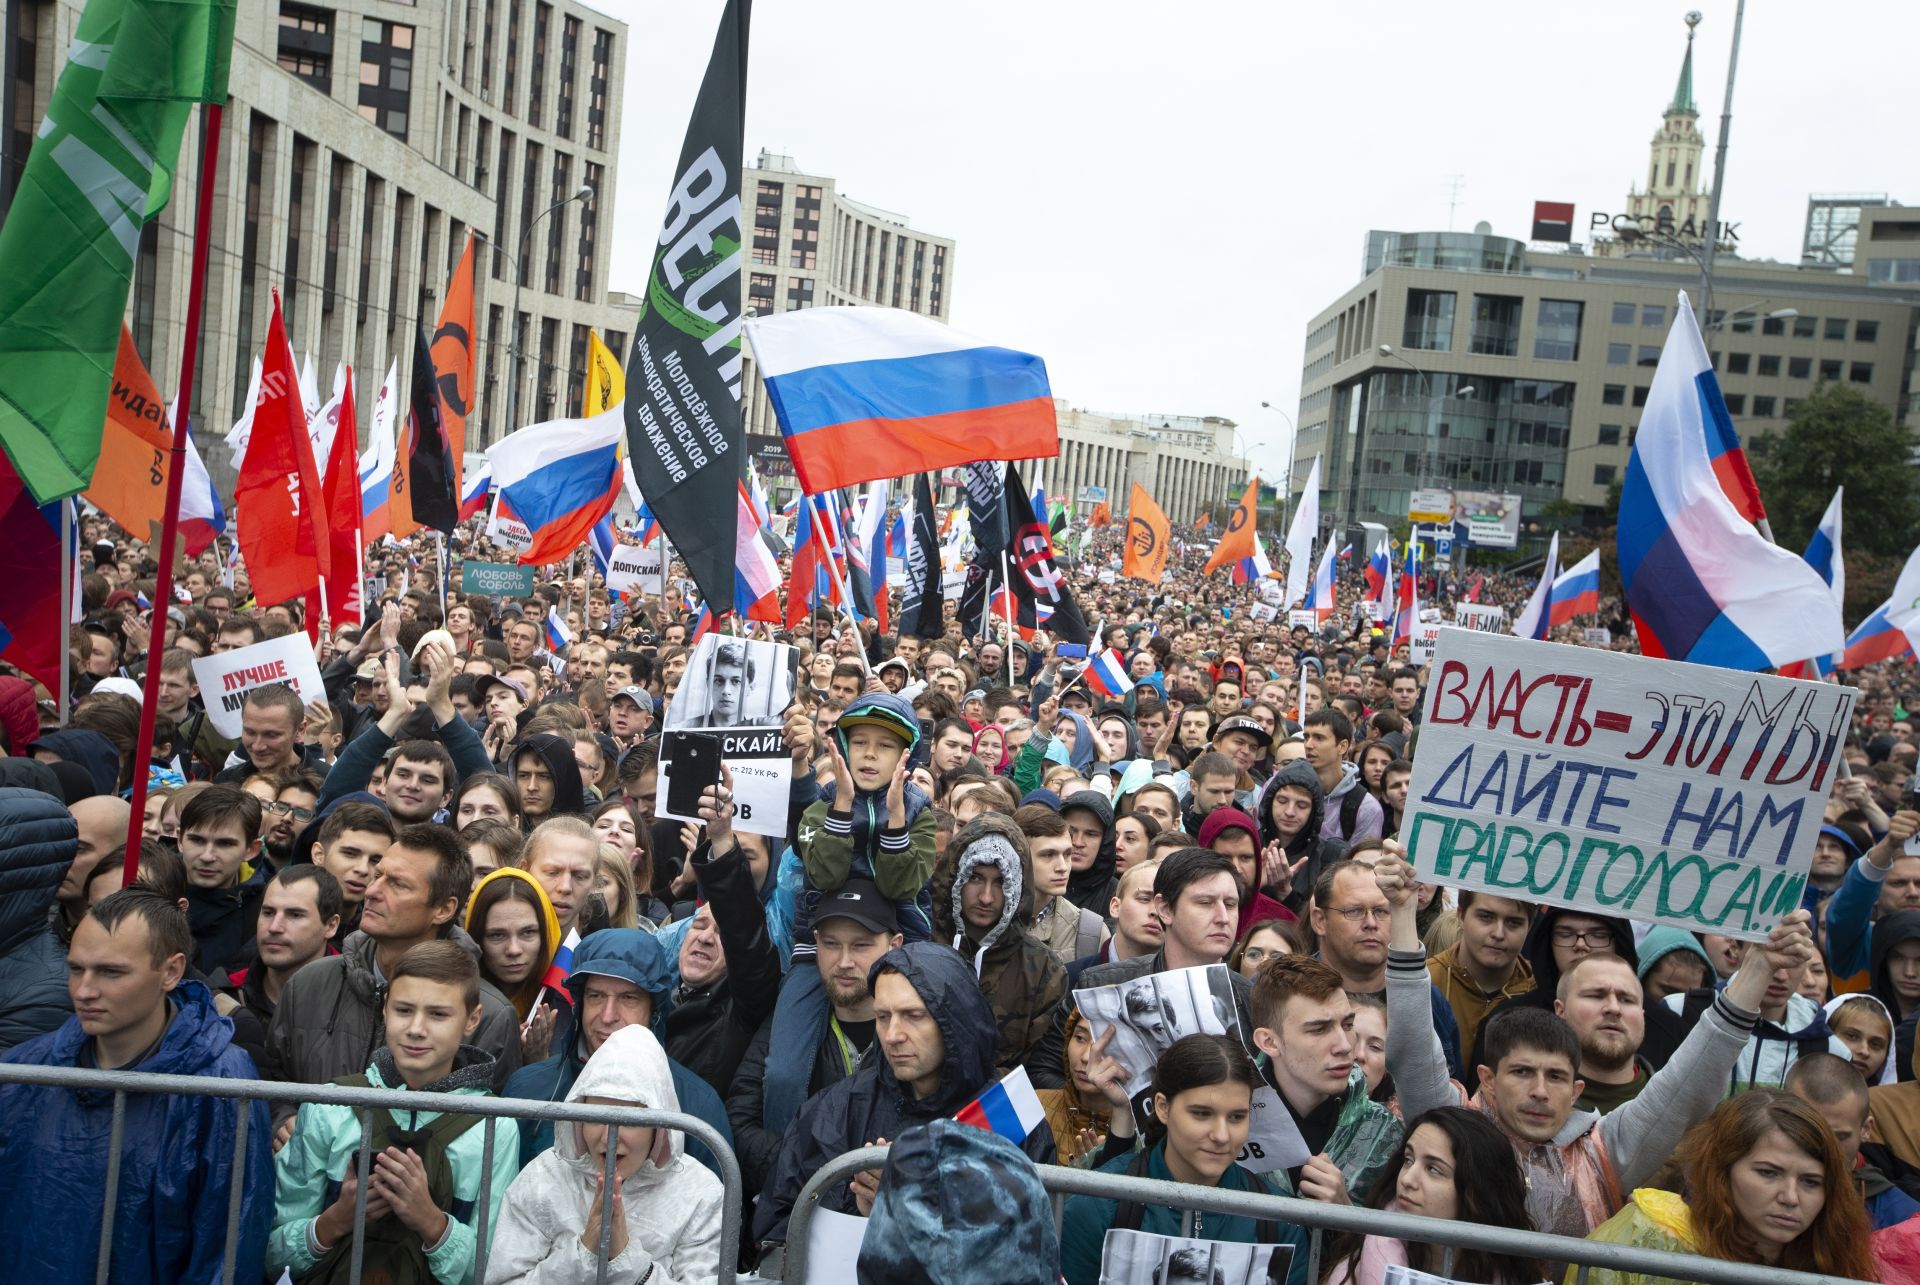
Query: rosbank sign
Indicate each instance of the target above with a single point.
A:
(1631, 225)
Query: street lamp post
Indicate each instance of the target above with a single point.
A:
(583, 193)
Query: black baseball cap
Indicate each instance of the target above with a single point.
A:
(860, 901)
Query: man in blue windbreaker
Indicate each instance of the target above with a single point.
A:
(133, 1011)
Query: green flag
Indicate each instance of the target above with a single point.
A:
(101, 166)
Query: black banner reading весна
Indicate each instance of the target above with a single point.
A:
(684, 433)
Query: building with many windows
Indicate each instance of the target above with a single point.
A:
(363, 141)
(1186, 462)
(812, 245)
(1471, 361)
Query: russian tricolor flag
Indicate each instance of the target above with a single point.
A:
(1884, 634)
(477, 491)
(562, 965)
(561, 477)
(1009, 1108)
(865, 393)
(558, 635)
(756, 575)
(202, 518)
(1379, 568)
(1321, 600)
(376, 464)
(1407, 600)
(1576, 592)
(1106, 674)
(601, 541)
(1823, 555)
(1704, 585)
(1535, 620)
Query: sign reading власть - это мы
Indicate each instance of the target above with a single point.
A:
(1647, 789)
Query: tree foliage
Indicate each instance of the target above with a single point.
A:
(1839, 437)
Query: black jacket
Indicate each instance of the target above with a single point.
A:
(756, 1145)
(37, 843)
(708, 1030)
(872, 1103)
(1538, 952)
(224, 921)
(1090, 889)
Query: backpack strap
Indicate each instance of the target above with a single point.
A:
(1087, 934)
(1128, 1213)
(1350, 804)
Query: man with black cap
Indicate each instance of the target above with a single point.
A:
(785, 1065)
(1245, 740)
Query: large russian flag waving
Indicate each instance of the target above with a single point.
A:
(1576, 592)
(1538, 615)
(1322, 599)
(561, 477)
(866, 393)
(1379, 571)
(1703, 585)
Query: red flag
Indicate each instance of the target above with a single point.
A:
(278, 497)
(342, 488)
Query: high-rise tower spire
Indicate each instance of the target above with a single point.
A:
(1683, 90)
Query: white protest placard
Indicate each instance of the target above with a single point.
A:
(226, 677)
(833, 1246)
(1597, 636)
(1376, 611)
(1622, 785)
(1480, 616)
(1420, 646)
(1309, 618)
(1146, 1258)
(737, 689)
(635, 568)
(1264, 611)
(509, 532)
(1269, 591)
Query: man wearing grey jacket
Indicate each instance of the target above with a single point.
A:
(1580, 1166)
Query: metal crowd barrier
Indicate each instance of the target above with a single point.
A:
(367, 1100)
(1317, 1218)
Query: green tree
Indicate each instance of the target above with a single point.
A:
(1838, 437)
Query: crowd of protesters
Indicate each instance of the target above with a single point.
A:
(371, 889)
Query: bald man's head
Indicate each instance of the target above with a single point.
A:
(103, 827)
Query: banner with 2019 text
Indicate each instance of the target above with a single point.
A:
(1648, 789)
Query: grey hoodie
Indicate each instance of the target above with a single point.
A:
(1371, 821)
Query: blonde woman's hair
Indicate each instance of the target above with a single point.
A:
(625, 913)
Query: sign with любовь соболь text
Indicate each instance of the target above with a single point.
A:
(1622, 785)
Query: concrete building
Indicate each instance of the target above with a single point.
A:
(1186, 462)
(362, 141)
(813, 245)
(1471, 361)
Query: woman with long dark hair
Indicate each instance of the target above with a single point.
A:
(1765, 1183)
(485, 796)
(1202, 1110)
(1455, 1164)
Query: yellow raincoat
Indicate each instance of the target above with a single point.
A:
(1651, 1219)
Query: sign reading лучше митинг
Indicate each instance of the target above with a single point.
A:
(1621, 785)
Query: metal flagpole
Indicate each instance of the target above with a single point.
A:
(440, 566)
(210, 116)
(1006, 587)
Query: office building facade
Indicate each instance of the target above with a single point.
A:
(363, 141)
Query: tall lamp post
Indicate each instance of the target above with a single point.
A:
(583, 193)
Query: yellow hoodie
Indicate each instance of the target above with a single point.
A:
(525, 995)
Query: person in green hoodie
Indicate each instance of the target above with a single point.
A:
(423, 1190)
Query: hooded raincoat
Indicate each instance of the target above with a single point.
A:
(176, 1163)
(672, 1204)
(37, 845)
(1305, 842)
(1651, 1219)
(1020, 977)
(959, 1205)
(873, 1103)
(1091, 889)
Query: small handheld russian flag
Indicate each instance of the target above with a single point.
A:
(562, 965)
(1009, 1108)
(558, 635)
(1107, 674)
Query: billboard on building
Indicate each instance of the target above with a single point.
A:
(1090, 495)
(1430, 506)
(1492, 520)
(1553, 221)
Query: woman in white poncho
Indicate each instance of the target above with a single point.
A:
(666, 1207)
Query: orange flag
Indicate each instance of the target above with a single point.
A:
(1102, 515)
(130, 481)
(452, 350)
(1237, 542)
(1147, 534)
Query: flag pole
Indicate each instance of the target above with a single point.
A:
(210, 119)
(1006, 589)
(841, 584)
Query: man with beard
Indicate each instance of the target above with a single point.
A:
(287, 814)
(1601, 999)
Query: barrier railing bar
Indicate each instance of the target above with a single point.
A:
(363, 1163)
(485, 1226)
(1318, 1217)
(610, 1145)
(236, 1188)
(491, 1107)
(1446, 1261)
(115, 1134)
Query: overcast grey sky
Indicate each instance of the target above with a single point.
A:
(1157, 198)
